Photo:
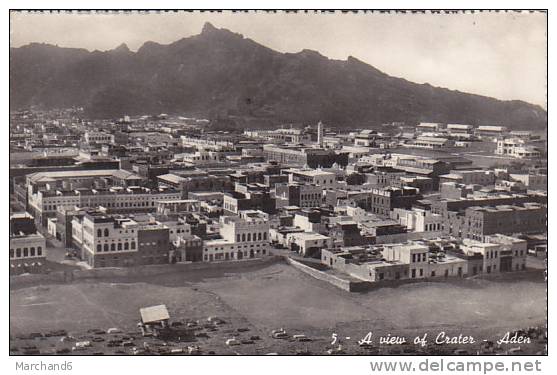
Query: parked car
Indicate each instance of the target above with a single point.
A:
(113, 330)
(232, 342)
(83, 344)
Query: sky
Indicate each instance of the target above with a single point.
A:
(498, 54)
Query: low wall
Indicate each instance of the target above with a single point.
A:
(151, 270)
(348, 285)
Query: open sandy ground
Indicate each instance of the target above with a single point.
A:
(273, 296)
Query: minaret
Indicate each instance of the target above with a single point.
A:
(320, 134)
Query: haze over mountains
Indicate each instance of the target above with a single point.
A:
(220, 74)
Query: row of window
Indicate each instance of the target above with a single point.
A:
(256, 237)
(26, 252)
(234, 255)
(232, 247)
(116, 247)
(421, 257)
(432, 227)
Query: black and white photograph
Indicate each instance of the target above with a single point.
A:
(284, 182)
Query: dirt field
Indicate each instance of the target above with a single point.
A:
(268, 297)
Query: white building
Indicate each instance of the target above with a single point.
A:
(242, 238)
(517, 148)
(459, 129)
(92, 137)
(531, 181)
(308, 243)
(489, 251)
(417, 256)
(418, 220)
(326, 180)
(27, 252)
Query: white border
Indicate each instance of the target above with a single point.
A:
(250, 365)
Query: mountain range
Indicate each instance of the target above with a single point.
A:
(219, 74)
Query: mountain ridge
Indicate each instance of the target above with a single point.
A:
(222, 74)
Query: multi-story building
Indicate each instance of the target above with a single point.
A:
(432, 143)
(96, 137)
(249, 197)
(459, 129)
(27, 246)
(531, 181)
(382, 201)
(242, 237)
(517, 148)
(308, 244)
(296, 194)
(318, 177)
(415, 255)
(418, 220)
(513, 252)
(468, 177)
(478, 222)
(301, 156)
(117, 199)
(197, 181)
(109, 241)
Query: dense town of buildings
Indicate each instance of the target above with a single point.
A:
(416, 201)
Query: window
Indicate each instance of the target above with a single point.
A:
(105, 247)
(12, 254)
(39, 251)
(265, 236)
(133, 245)
(32, 251)
(99, 233)
(112, 247)
(119, 246)
(18, 253)
(106, 232)
(99, 247)
(126, 246)
(243, 237)
(237, 238)
(421, 271)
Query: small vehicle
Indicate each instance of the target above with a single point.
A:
(60, 332)
(247, 342)
(63, 351)
(232, 342)
(280, 335)
(83, 344)
(243, 329)
(194, 350)
(97, 339)
(96, 331)
(255, 337)
(113, 330)
(516, 350)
